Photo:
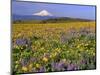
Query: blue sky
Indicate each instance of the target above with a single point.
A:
(62, 10)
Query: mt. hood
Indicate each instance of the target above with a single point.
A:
(43, 13)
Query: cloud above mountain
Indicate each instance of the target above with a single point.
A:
(43, 13)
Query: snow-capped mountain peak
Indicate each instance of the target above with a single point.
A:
(43, 13)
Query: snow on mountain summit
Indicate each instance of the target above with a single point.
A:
(43, 13)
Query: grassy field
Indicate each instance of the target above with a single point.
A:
(53, 47)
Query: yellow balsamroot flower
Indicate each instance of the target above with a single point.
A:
(19, 35)
(68, 51)
(30, 65)
(53, 55)
(17, 47)
(87, 50)
(86, 44)
(37, 65)
(58, 49)
(16, 66)
(79, 55)
(93, 54)
(26, 45)
(16, 62)
(78, 40)
(45, 59)
(21, 47)
(50, 56)
(78, 46)
(24, 68)
(42, 48)
(64, 60)
(64, 45)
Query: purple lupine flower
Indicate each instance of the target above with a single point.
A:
(57, 66)
(21, 41)
(24, 62)
(32, 59)
(60, 66)
(71, 67)
(84, 31)
(65, 37)
(83, 62)
(34, 70)
(42, 69)
(53, 64)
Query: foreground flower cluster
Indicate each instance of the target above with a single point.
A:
(53, 47)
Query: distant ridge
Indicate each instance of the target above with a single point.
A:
(35, 17)
(45, 19)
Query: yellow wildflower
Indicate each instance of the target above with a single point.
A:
(55, 54)
(37, 65)
(93, 54)
(50, 56)
(26, 45)
(19, 35)
(16, 66)
(64, 60)
(30, 65)
(45, 59)
(24, 68)
(16, 62)
(21, 47)
(86, 44)
(64, 46)
(78, 46)
(57, 49)
(42, 48)
(17, 47)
